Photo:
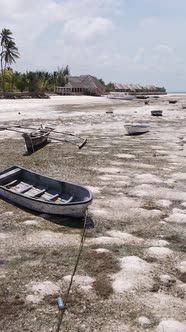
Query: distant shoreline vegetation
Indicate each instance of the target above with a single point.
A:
(33, 81)
(44, 81)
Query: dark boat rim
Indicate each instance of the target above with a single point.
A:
(137, 126)
(46, 202)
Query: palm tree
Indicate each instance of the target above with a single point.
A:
(5, 36)
(9, 52)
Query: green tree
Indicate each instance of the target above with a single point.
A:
(9, 52)
(32, 81)
(101, 81)
(162, 89)
(66, 71)
(60, 77)
(8, 76)
(109, 87)
(20, 81)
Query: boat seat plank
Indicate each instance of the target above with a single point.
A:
(38, 194)
(14, 171)
(24, 190)
(11, 184)
(19, 186)
(53, 197)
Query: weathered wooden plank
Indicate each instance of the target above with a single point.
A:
(38, 194)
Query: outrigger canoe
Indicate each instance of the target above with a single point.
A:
(35, 139)
(44, 194)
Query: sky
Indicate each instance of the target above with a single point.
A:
(124, 41)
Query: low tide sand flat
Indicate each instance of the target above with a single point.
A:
(131, 275)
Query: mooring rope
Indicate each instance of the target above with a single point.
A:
(73, 274)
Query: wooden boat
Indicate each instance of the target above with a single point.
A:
(121, 96)
(35, 139)
(39, 137)
(172, 101)
(136, 129)
(156, 113)
(43, 194)
(141, 97)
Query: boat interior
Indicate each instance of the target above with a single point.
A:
(33, 185)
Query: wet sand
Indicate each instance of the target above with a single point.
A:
(132, 273)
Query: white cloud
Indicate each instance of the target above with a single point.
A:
(149, 21)
(168, 4)
(83, 20)
(87, 28)
(72, 21)
(163, 56)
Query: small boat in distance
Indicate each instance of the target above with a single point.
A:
(35, 140)
(121, 96)
(172, 101)
(156, 113)
(136, 129)
(44, 194)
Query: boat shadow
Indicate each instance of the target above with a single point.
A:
(136, 134)
(71, 222)
(28, 153)
(65, 221)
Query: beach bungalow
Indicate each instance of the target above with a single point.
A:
(138, 89)
(82, 85)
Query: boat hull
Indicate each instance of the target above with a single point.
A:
(156, 113)
(136, 129)
(121, 96)
(36, 140)
(172, 101)
(75, 207)
(77, 211)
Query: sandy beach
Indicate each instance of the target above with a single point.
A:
(132, 273)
